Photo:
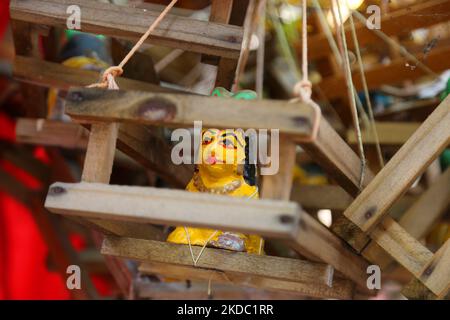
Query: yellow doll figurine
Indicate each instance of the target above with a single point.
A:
(222, 171)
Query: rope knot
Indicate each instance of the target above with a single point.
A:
(303, 89)
(114, 71)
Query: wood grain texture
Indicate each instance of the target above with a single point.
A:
(314, 238)
(177, 110)
(100, 152)
(436, 273)
(271, 218)
(313, 279)
(426, 211)
(419, 219)
(130, 23)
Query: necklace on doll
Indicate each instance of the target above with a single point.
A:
(228, 188)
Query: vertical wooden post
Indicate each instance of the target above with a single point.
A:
(279, 186)
(100, 153)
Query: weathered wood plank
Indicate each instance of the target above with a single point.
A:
(130, 23)
(174, 207)
(436, 274)
(426, 211)
(318, 241)
(336, 157)
(315, 279)
(182, 110)
(100, 152)
(341, 289)
(393, 180)
(224, 260)
(51, 133)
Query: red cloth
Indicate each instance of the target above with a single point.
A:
(23, 256)
(4, 16)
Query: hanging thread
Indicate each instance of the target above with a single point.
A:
(115, 71)
(352, 95)
(303, 88)
(366, 92)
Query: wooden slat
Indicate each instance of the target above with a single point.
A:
(278, 186)
(58, 76)
(406, 250)
(422, 15)
(336, 157)
(318, 241)
(130, 23)
(436, 274)
(321, 197)
(100, 153)
(389, 133)
(51, 133)
(309, 278)
(426, 211)
(419, 218)
(174, 207)
(393, 180)
(182, 110)
(224, 260)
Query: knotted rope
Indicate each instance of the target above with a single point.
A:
(108, 77)
(303, 88)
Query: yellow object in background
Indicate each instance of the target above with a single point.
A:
(302, 177)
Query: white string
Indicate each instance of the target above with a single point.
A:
(195, 260)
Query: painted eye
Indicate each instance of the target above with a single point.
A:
(228, 144)
(207, 140)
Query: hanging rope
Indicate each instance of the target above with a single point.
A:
(115, 71)
(260, 53)
(352, 95)
(303, 88)
(366, 92)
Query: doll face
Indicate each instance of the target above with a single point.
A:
(222, 151)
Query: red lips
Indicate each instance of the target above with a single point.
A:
(211, 160)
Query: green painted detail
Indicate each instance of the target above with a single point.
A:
(240, 95)
(71, 33)
(445, 159)
(446, 91)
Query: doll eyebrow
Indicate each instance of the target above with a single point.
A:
(226, 134)
(210, 131)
